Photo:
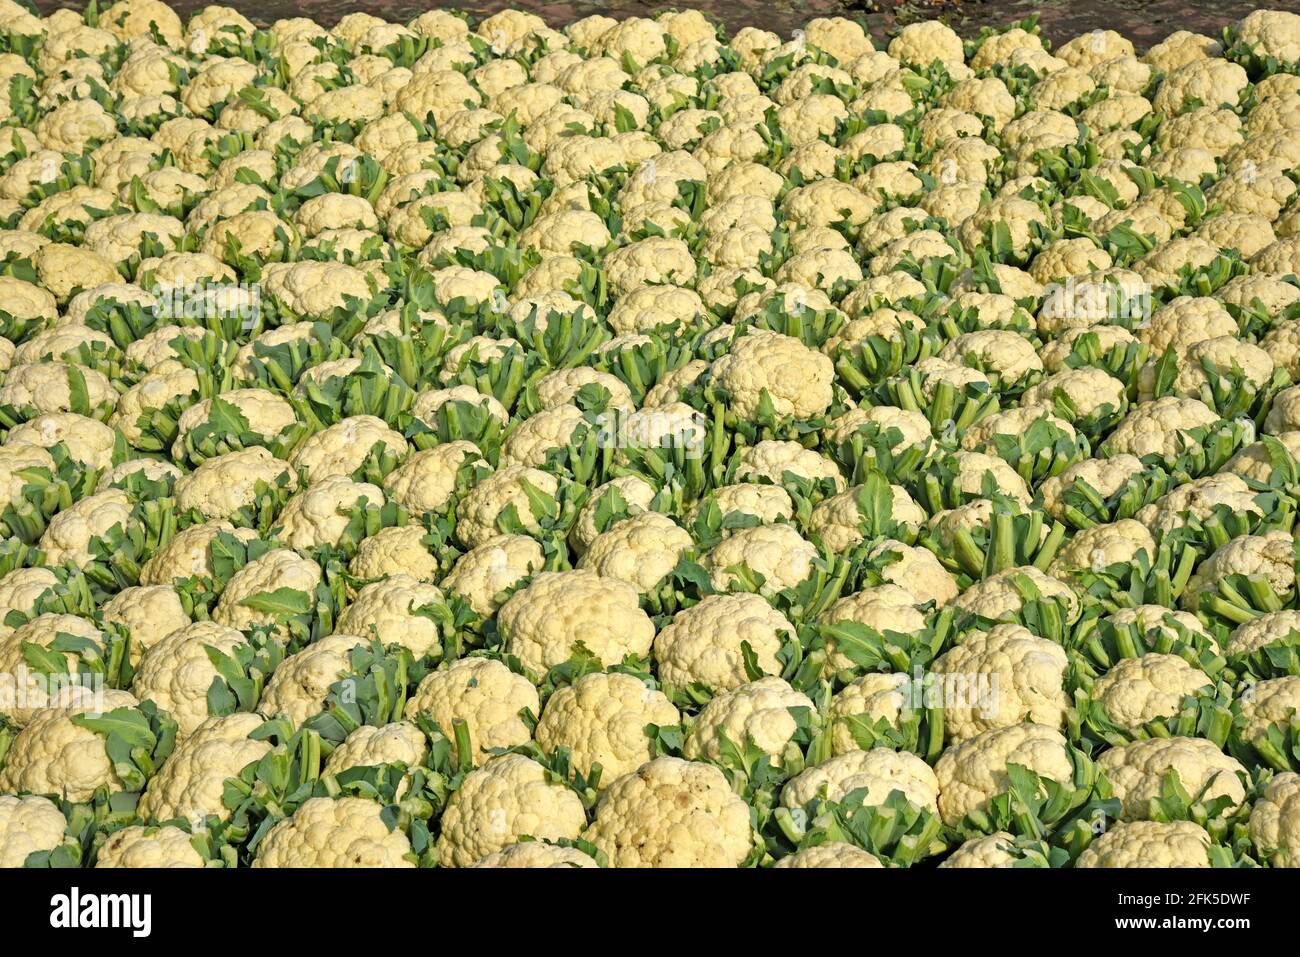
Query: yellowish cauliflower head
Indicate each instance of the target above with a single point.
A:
(483, 693)
(509, 797)
(1149, 844)
(544, 622)
(328, 832)
(672, 813)
(1137, 772)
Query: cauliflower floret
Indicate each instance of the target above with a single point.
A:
(777, 552)
(1267, 703)
(1269, 557)
(702, 644)
(1275, 821)
(71, 534)
(335, 832)
(830, 854)
(370, 746)
(796, 379)
(53, 754)
(1254, 461)
(881, 771)
(483, 693)
(28, 825)
(299, 687)
(994, 850)
(873, 697)
(837, 521)
(148, 612)
(973, 771)
(397, 550)
(48, 387)
(641, 550)
(602, 719)
(509, 797)
(483, 574)
(150, 847)
(223, 485)
(266, 414)
(884, 608)
(1263, 631)
(757, 712)
(924, 42)
(386, 610)
(915, 569)
(479, 511)
(191, 782)
(1137, 690)
(772, 459)
(997, 596)
(176, 672)
(533, 854)
(278, 568)
(1137, 772)
(1198, 499)
(998, 351)
(1159, 428)
(341, 449)
(320, 514)
(999, 678)
(672, 813)
(544, 622)
(1149, 844)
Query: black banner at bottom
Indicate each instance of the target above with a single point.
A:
(338, 908)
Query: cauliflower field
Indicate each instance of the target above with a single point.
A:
(454, 444)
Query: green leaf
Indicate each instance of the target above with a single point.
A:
(282, 602)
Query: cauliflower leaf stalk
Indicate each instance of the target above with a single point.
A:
(887, 651)
(243, 671)
(78, 661)
(1277, 656)
(1206, 713)
(1275, 745)
(862, 366)
(369, 389)
(873, 447)
(362, 175)
(1122, 360)
(1041, 451)
(1061, 814)
(1220, 815)
(270, 788)
(413, 347)
(895, 830)
(46, 491)
(117, 555)
(373, 692)
(1144, 579)
(689, 455)
(1050, 616)
(459, 420)
(950, 409)
(1013, 538)
(1098, 644)
(1082, 506)
(1201, 450)
(1230, 391)
(226, 429)
(279, 366)
(137, 740)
